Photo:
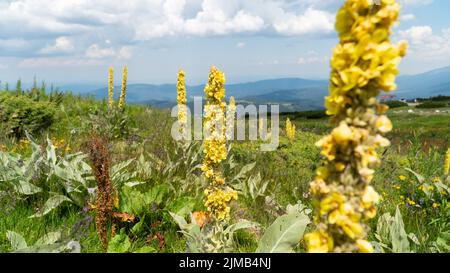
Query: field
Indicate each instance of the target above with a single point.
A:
(153, 176)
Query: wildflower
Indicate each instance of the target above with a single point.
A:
(436, 205)
(181, 99)
(402, 177)
(290, 129)
(364, 63)
(231, 113)
(123, 90)
(319, 242)
(436, 180)
(200, 217)
(447, 162)
(111, 87)
(218, 195)
(364, 246)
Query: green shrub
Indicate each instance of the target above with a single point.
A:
(395, 104)
(20, 113)
(432, 104)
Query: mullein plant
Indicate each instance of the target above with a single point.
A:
(123, 91)
(231, 115)
(364, 63)
(181, 100)
(290, 129)
(447, 163)
(111, 87)
(218, 194)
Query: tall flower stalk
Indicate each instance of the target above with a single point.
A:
(447, 162)
(218, 194)
(290, 129)
(111, 87)
(231, 115)
(123, 90)
(181, 99)
(364, 63)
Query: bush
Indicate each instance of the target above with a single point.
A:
(20, 113)
(432, 104)
(395, 104)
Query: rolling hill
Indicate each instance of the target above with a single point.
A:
(293, 94)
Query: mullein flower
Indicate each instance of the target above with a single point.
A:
(447, 162)
(363, 64)
(218, 195)
(290, 129)
(181, 100)
(111, 87)
(123, 90)
(231, 114)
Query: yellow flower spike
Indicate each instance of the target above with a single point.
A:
(363, 64)
(111, 87)
(290, 129)
(181, 100)
(447, 162)
(218, 195)
(123, 90)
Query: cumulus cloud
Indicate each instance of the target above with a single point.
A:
(425, 43)
(148, 19)
(61, 45)
(96, 52)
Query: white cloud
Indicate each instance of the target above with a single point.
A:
(61, 45)
(125, 52)
(149, 19)
(96, 52)
(311, 22)
(407, 17)
(240, 45)
(3, 66)
(425, 44)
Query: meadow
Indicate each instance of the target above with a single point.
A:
(54, 210)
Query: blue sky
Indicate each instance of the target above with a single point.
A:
(75, 41)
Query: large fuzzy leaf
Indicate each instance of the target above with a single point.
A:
(284, 234)
(16, 240)
(52, 203)
(400, 243)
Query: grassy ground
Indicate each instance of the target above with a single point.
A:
(419, 142)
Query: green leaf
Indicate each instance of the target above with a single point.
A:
(156, 194)
(52, 203)
(49, 238)
(179, 220)
(243, 224)
(137, 227)
(145, 249)
(284, 234)
(16, 240)
(419, 177)
(119, 243)
(400, 243)
(182, 206)
(26, 188)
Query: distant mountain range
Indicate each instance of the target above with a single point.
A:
(293, 94)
